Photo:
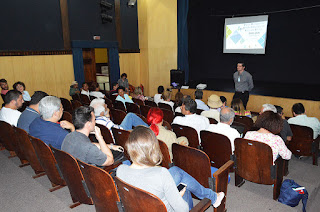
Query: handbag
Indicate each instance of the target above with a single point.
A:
(291, 193)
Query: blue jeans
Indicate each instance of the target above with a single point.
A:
(193, 186)
(132, 120)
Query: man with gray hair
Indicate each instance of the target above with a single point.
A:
(46, 127)
(223, 127)
(286, 133)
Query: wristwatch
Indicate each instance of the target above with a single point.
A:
(111, 146)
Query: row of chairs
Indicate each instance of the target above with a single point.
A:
(91, 185)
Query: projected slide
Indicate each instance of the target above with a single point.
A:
(245, 35)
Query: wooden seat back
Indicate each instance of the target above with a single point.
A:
(142, 117)
(166, 161)
(217, 147)
(178, 114)
(168, 115)
(247, 121)
(117, 115)
(302, 142)
(66, 104)
(167, 125)
(164, 106)
(137, 200)
(199, 111)
(72, 175)
(150, 103)
(144, 110)
(5, 133)
(113, 98)
(138, 101)
(119, 105)
(132, 107)
(106, 134)
(101, 187)
(121, 137)
(188, 132)
(17, 147)
(254, 162)
(29, 152)
(47, 161)
(76, 97)
(85, 100)
(108, 102)
(212, 121)
(76, 104)
(66, 116)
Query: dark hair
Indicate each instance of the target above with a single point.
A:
(114, 84)
(189, 104)
(121, 87)
(37, 96)
(11, 95)
(3, 80)
(298, 108)
(198, 94)
(84, 83)
(178, 99)
(270, 121)
(160, 89)
(93, 86)
(242, 63)
(124, 75)
(18, 83)
(81, 116)
(279, 109)
(223, 99)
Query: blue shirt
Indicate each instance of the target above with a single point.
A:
(124, 100)
(26, 118)
(48, 132)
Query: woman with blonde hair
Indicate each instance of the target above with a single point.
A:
(238, 108)
(138, 94)
(144, 173)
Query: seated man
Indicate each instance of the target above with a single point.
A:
(214, 103)
(114, 90)
(101, 111)
(95, 90)
(191, 119)
(223, 127)
(300, 118)
(157, 97)
(74, 89)
(85, 89)
(46, 127)
(198, 94)
(9, 113)
(122, 97)
(4, 86)
(286, 133)
(31, 112)
(79, 145)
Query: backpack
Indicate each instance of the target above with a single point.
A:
(290, 195)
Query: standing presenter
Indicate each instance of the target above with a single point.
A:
(243, 83)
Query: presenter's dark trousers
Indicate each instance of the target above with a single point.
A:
(244, 96)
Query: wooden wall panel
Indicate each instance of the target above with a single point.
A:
(130, 64)
(52, 73)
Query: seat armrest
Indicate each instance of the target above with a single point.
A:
(202, 205)
(226, 167)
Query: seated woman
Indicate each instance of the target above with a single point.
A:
(238, 108)
(138, 94)
(166, 99)
(122, 97)
(270, 124)
(19, 86)
(178, 102)
(157, 97)
(144, 173)
(155, 120)
(123, 81)
(95, 90)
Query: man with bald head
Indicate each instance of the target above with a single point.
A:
(223, 127)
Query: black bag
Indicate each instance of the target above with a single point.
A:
(290, 195)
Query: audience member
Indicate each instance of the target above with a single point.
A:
(101, 111)
(268, 107)
(74, 88)
(123, 97)
(178, 101)
(191, 119)
(238, 108)
(79, 145)
(114, 90)
(4, 86)
(157, 97)
(286, 133)
(144, 173)
(85, 89)
(223, 127)
(198, 94)
(31, 112)
(47, 128)
(138, 94)
(224, 103)
(166, 99)
(123, 82)
(95, 90)
(20, 86)
(300, 118)
(214, 103)
(9, 113)
(270, 124)
(155, 120)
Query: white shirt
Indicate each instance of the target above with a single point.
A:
(195, 121)
(178, 109)
(157, 98)
(201, 105)
(225, 129)
(97, 94)
(304, 120)
(85, 92)
(168, 103)
(212, 113)
(10, 116)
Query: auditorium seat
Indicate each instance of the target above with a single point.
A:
(166, 161)
(121, 137)
(150, 103)
(168, 115)
(5, 138)
(108, 102)
(76, 104)
(188, 132)
(106, 134)
(138, 101)
(119, 106)
(144, 110)
(117, 115)
(164, 106)
(66, 104)
(132, 107)
(84, 99)
(66, 116)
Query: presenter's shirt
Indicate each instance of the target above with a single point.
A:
(243, 82)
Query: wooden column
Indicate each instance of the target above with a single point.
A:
(117, 8)
(65, 24)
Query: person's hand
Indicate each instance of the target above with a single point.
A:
(184, 142)
(107, 112)
(118, 148)
(183, 191)
(97, 132)
(66, 125)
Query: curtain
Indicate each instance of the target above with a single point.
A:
(114, 68)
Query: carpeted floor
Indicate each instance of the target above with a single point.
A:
(20, 192)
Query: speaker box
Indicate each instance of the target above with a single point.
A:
(177, 77)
